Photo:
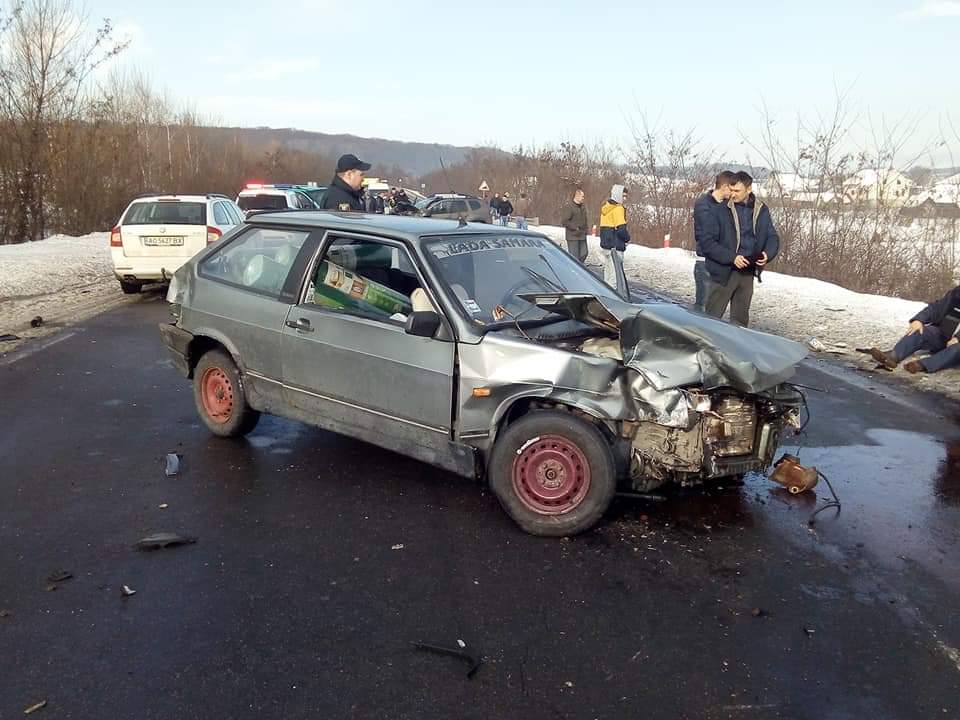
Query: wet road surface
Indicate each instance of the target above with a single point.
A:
(298, 601)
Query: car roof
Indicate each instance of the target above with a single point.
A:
(265, 191)
(406, 226)
(170, 198)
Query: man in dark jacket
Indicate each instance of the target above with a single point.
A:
(495, 208)
(574, 221)
(706, 219)
(506, 209)
(746, 242)
(346, 189)
(933, 329)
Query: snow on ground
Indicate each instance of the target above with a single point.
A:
(62, 279)
(795, 307)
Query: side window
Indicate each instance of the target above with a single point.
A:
(367, 278)
(305, 202)
(259, 260)
(440, 208)
(474, 204)
(220, 215)
(458, 207)
(236, 213)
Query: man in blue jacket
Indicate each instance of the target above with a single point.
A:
(933, 329)
(745, 243)
(706, 219)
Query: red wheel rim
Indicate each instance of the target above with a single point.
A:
(216, 392)
(551, 475)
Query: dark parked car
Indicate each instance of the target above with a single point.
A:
(453, 206)
(486, 351)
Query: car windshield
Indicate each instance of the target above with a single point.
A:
(262, 202)
(315, 194)
(487, 272)
(166, 212)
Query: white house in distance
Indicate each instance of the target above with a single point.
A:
(884, 186)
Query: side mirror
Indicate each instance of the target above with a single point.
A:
(422, 324)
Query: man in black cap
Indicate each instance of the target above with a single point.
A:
(346, 188)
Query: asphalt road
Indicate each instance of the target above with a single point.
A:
(298, 600)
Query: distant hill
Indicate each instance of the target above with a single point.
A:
(414, 158)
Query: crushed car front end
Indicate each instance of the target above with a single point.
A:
(682, 397)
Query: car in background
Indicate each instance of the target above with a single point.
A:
(453, 206)
(258, 197)
(158, 233)
(486, 351)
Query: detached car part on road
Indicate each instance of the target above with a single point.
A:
(488, 352)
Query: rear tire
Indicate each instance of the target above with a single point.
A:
(219, 396)
(130, 288)
(553, 473)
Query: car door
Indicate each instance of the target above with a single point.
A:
(242, 297)
(458, 209)
(348, 361)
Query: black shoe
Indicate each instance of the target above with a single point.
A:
(914, 366)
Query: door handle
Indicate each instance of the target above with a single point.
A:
(302, 324)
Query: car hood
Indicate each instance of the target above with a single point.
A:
(675, 347)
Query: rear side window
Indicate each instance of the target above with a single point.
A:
(220, 214)
(474, 204)
(262, 202)
(259, 260)
(166, 212)
(235, 214)
(458, 206)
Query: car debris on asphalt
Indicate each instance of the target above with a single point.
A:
(36, 706)
(475, 661)
(59, 576)
(173, 464)
(161, 540)
(127, 591)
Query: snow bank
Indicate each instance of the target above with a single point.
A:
(57, 263)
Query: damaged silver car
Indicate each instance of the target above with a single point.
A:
(489, 352)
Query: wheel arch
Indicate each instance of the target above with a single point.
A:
(205, 341)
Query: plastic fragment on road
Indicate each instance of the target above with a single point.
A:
(59, 576)
(475, 661)
(163, 506)
(398, 546)
(36, 706)
(158, 541)
(127, 591)
(173, 464)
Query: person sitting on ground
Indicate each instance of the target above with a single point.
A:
(933, 329)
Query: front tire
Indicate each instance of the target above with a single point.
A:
(219, 397)
(553, 473)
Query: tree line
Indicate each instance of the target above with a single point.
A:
(79, 138)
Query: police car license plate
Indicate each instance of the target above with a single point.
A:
(162, 241)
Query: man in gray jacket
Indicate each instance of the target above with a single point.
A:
(574, 221)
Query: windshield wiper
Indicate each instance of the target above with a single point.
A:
(550, 284)
(555, 273)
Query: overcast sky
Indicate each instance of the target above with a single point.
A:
(514, 72)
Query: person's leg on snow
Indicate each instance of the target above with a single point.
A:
(701, 278)
(718, 296)
(929, 339)
(948, 357)
(741, 299)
